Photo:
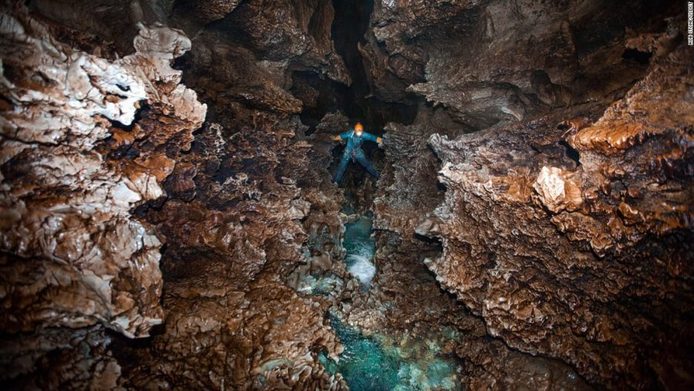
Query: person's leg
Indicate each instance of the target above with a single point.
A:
(361, 158)
(342, 167)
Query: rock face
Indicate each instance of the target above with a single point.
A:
(112, 21)
(564, 219)
(406, 197)
(234, 218)
(234, 232)
(291, 31)
(573, 241)
(250, 211)
(73, 255)
(496, 61)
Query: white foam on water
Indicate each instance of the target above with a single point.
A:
(363, 250)
(361, 268)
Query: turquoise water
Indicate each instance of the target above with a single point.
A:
(380, 362)
(360, 248)
(373, 364)
(363, 364)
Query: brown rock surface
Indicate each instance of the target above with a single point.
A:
(291, 31)
(73, 255)
(549, 232)
(415, 307)
(555, 250)
(495, 61)
(247, 211)
(584, 260)
(228, 249)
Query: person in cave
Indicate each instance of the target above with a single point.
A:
(354, 138)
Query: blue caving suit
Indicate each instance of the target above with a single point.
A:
(353, 151)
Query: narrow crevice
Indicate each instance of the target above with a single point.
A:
(349, 28)
(571, 152)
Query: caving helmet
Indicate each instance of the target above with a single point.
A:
(358, 128)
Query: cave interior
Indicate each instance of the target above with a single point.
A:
(169, 218)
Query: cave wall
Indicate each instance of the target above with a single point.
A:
(493, 61)
(587, 260)
(572, 239)
(73, 254)
(561, 226)
(230, 208)
(242, 206)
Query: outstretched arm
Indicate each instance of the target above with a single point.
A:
(371, 137)
(343, 136)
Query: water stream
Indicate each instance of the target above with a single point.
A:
(360, 248)
(380, 361)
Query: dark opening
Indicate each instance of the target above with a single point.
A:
(637, 55)
(572, 153)
(349, 27)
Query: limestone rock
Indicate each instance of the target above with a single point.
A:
(568, 257)
(497, 61)
(73, 254)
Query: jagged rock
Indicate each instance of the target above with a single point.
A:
(565, 227)
(245, 201)
(230, 249)
(290, 31)
(114, 20)
(494, 61)
(406, 196)
(254, 54)
(413, 192)
(74, 256)
(568, 257)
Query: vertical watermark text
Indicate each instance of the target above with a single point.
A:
(690, 23)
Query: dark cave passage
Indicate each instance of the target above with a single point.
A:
(351, 22)
(378, 360)
(352, 18)
(356, 101)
